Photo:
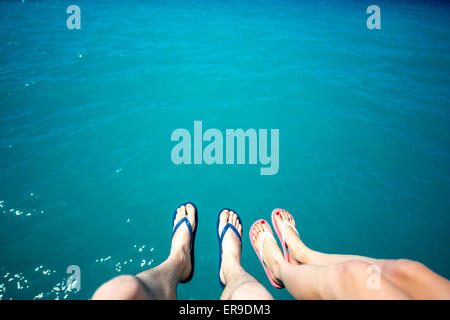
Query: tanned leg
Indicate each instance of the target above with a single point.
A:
(159, 282)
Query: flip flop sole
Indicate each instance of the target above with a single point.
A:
(266, 270)
(220, 240)
(286, 255)
(194, 232)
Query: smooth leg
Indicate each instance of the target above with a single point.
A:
(335, 281)
(416, 280)
(346, 280)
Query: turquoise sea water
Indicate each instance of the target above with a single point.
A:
(86, 118)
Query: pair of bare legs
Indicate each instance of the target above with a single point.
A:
(315, 275)
(161, 282)
(309, 275)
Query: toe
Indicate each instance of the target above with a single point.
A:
(233, 219)
(190, 209)
(223, 219)
(224, 215)
(183, 211)
(260, 229)
(257, 232)
(177, 217)
(278, 216)
(265, 226)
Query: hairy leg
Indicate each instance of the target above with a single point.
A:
(239, 285)
(124, 287)
(159, 282)
(153, 284)
(242, 286)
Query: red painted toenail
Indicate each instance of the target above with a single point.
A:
(262, 222)
(277, 213)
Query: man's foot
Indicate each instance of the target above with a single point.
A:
(181, 241)
(231, 245)
(297, 249)
(272, 255)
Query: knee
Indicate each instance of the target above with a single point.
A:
(404, 268)
(355, 268)
(353, 272)
(250, 291)
(124, 287)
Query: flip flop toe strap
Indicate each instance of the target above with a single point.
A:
(225, 229)
(283, 230)
(265, 235)
(188, 224)
(222, 235)
(261, 257)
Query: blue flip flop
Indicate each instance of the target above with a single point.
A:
(222, 235)
(192, 233)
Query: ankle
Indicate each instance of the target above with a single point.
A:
(230, 261)
(230, 265)
(298, 250)
(177, 258)
(275, 264)
(301, 253)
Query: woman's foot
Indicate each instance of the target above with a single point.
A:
(231, 245)
(297, 249)
(181, 240)
(272, 255)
